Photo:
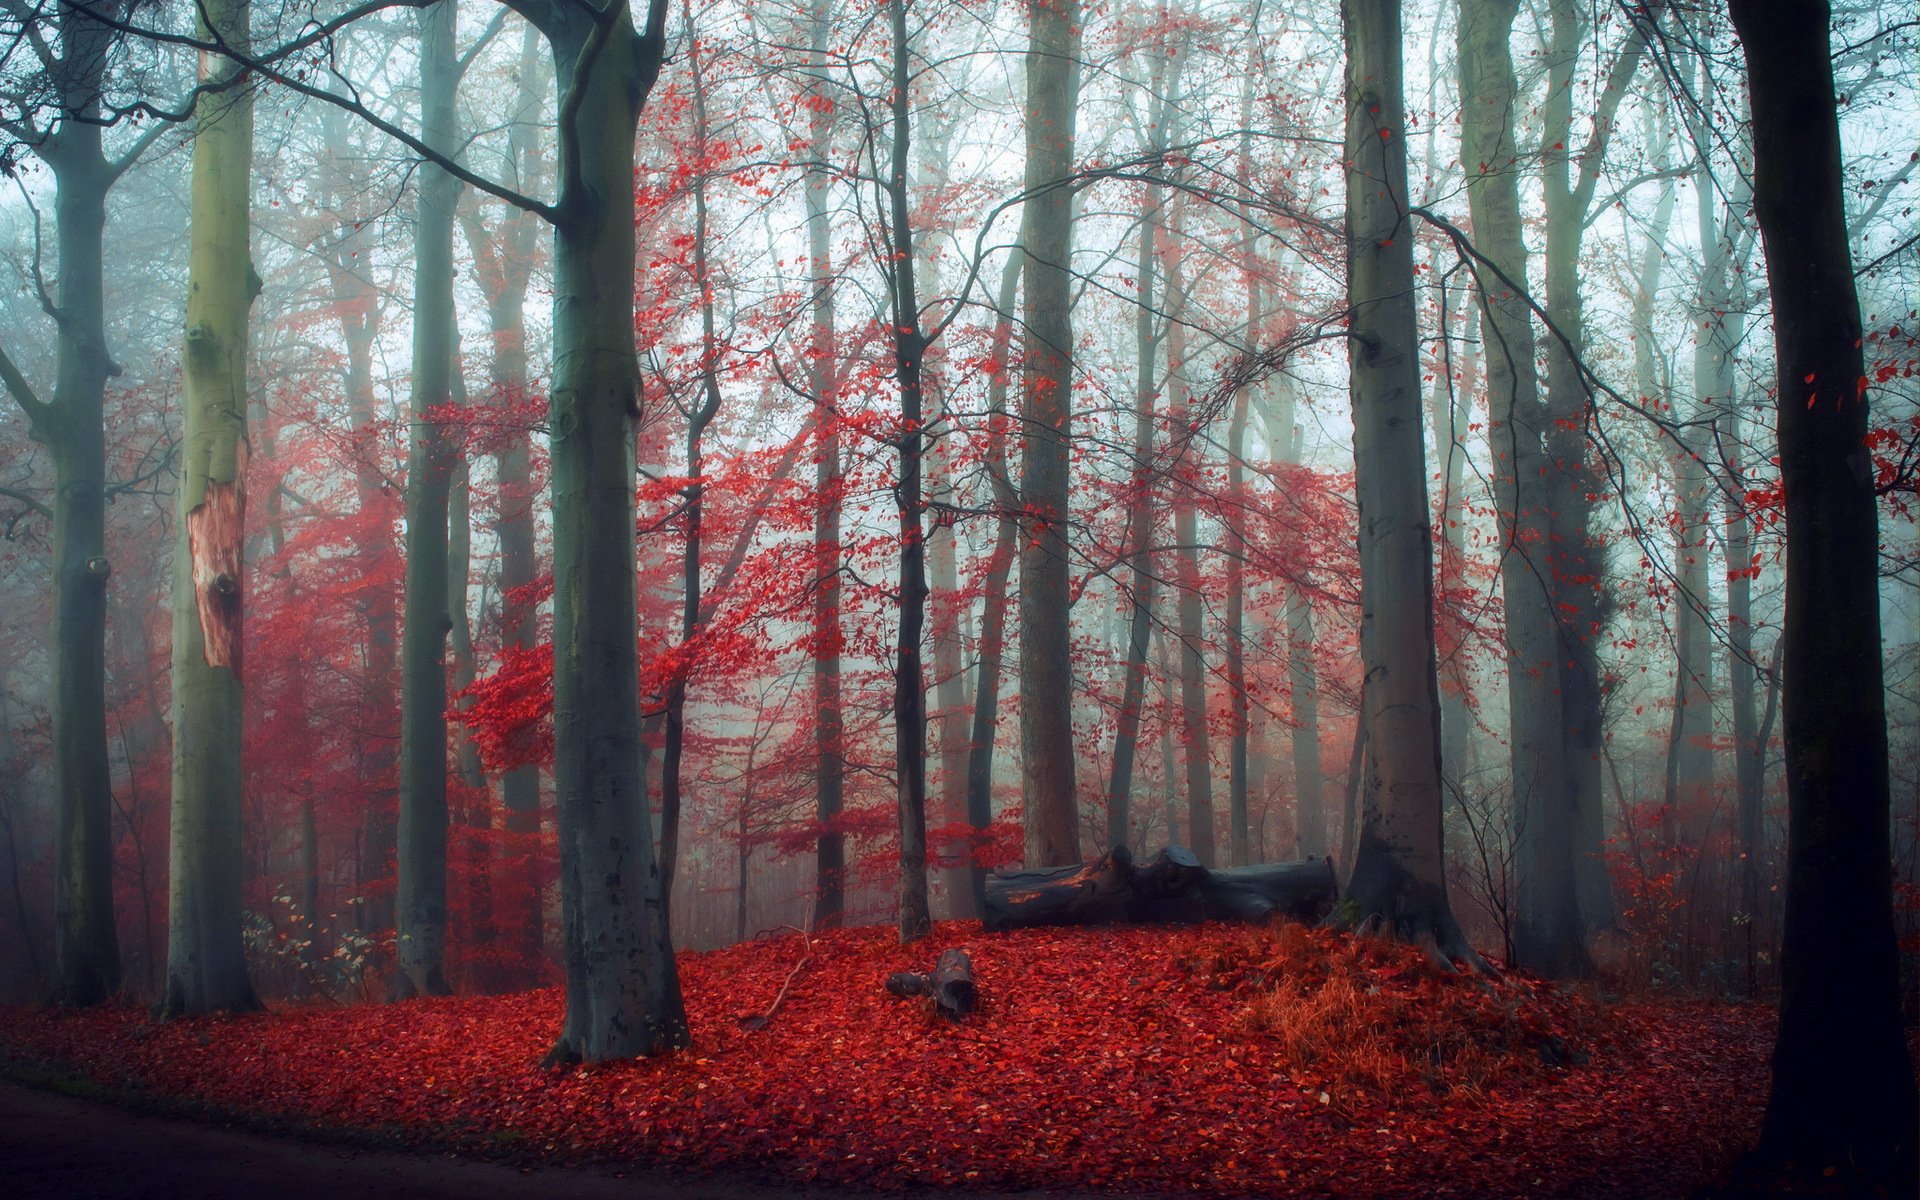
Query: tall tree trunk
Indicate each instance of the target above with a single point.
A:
(421, 911)
(623, 987)
(86, 944)
(1692, 749)
(1843, 1088)
(1239, 852)
(909, 356)
(1399, 874)
(1580, 569)
(993, 614)
(1141, 581)
(829, 730)
(1303, 682)
(1548, 935)
(1195, 740)
(503, 261)
(1052, 812)
(206, 967)
(706, 408)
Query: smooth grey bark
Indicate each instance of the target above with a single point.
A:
(1398, 880)
(623, 989)
(1051, 811)
(1843, 1091)
(829, 730)
(420, 910)
(1580, 564)
(1548, 933)
(1303, 682)
(71, 425)
(1196, 742)
(206, 967)
(1141, 581)
(1691, 756)
(993, 614)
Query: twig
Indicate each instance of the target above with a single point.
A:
(761, 1020)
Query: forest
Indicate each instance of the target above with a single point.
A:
(1328, 594)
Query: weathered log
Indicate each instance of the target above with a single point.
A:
(1172, 889)
(950, 984)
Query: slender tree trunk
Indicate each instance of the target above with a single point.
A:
(623, 987)
(1692, 749)
(706, 408)
(1843, 1088)
(1195, 739)
(1548, 935)
(1399, 874)
(829, 730)
(1580, 567)
(1051, 810)
(206, 968)
(86, 944)
(993, 614)
(1141, 582)
(421, 910)
(909, 355)
(503, 260)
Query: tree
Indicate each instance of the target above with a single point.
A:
(1141, 580)
(623, 991)
(830, 849)
(1398, 879)
(1843, 1094)
(1547, 936)
(1046, 416)
(421, 911)
(86, 950)
(206, 969)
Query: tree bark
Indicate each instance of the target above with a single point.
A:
(993, 614)
(86, 944)
(829, 752)
(1843, 1089)
(623, 988)
(206, 967)
(1580, 567)
(1052, 813)
(909, 353)
(1141, 581)
(421, 909)
(1399, 876)
(1548, 931)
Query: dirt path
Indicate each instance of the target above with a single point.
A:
(56, 1146)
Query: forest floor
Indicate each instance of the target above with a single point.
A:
(1212, 1061)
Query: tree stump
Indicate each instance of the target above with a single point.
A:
(950, 984)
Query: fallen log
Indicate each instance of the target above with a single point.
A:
(1172, 889)
(950, 984)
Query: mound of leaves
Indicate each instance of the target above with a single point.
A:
(1366, 1013)
(1214, 1060)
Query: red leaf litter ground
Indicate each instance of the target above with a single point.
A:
(1216, 1060)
